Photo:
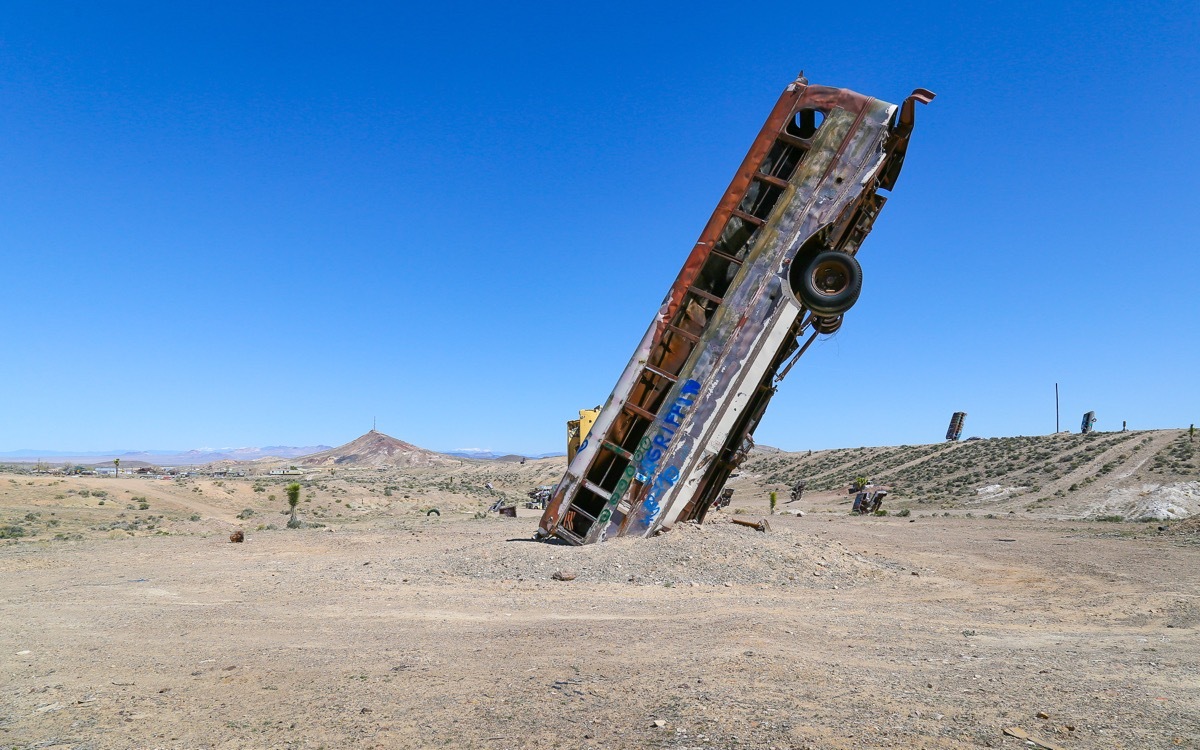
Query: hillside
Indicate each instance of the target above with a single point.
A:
(1135, 475)
(375, 450)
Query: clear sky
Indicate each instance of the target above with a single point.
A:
(230, 224)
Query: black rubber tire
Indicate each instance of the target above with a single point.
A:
(827, 326)
(830, 283)
(433, 512)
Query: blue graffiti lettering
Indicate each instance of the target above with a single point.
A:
(670, 424)
(664, 482)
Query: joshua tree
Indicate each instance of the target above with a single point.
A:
(774, 499)
(116, 467)
(293, 493)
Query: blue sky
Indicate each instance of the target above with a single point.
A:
(259, 224)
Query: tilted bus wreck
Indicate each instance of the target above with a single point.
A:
(773, 268)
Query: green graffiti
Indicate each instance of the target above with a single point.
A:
(623, 483)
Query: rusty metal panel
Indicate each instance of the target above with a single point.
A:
(684, 409)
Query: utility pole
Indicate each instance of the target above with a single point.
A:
(1056, 408)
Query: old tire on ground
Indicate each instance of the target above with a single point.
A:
(830, 283)
(827, 325)
(433, 512)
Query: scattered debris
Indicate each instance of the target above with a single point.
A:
(868, 500)
(762, 525)
(237, 537)
(1021, 734)
(539, 496)
(563, 575)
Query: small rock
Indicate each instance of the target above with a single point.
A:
(728, 584)
(563, 575)
(916, 573)
(659, 723)
(1043, 715)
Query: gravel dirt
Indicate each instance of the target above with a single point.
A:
(396, 630)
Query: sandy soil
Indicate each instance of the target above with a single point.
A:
(389, 629)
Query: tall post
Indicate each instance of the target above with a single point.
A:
(1056, 408)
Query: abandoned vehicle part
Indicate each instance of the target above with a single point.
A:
(775, 260)
(954, 431)
(827, 325)
(830, 283)
(1089, 419)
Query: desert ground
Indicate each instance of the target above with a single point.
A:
(131, 621)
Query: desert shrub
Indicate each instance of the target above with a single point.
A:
(11, 532)
(1111, 519)
(904, 513)
(84, 493)
(99, 493)
(194, 517)
(246, 513)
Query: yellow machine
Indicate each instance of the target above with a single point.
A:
(578, 429)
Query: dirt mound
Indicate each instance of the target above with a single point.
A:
(1160, 502)
(375, 449)
(713, 554)
(1189, 526)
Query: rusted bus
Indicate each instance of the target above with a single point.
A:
(774, 265)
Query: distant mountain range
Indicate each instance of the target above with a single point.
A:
(494, 455)
(372, 451)
(163, 457)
